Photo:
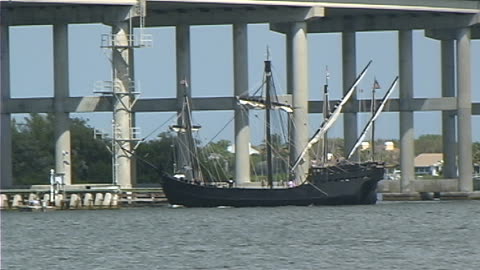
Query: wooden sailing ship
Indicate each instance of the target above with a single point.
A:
(344, 183)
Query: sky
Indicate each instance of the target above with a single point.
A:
(31, 58)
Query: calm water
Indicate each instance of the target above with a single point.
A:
(400, 235)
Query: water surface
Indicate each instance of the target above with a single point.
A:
(389, 235)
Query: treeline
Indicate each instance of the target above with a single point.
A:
(33, 153)
(429, 143)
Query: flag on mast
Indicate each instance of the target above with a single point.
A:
(376, 85)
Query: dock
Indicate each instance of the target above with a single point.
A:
(100, 196)
(77, 197)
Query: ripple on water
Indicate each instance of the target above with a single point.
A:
(406, 235)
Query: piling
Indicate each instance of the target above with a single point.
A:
(17, 200)
(46, 199)
(107, 200)
(98, 199)
(59, 201)
(3, 201)
(114, 203)
(75, 201)
(88, 200)
(32, 197)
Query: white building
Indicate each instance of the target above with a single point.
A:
(429, 164)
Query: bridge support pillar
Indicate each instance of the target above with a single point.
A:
(6, 179)
(407, 139)
(122, 85)
(242, 129)
(448, 117)
(464, 111)
(349, 69)
(61, 89)
(299, 82)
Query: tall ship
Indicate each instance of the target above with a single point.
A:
(342, 183)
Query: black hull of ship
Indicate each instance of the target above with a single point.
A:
(348, 184)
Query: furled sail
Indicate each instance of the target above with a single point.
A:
(260, 103)
(328, 122)
(183, 129)
(374, 117)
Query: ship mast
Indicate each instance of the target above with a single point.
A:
(187, 157)
(328, 122)
(326, 112)
(374, 117)
(268, 105)
(268, 99)
(375, 86)
(192, 149)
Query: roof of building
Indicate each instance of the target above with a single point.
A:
(428, 159)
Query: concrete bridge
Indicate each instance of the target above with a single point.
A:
(454, 22)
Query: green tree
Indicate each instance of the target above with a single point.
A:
(91, 158)
(216, 161)
(429, 143)
(154, 157)
(390, 157)
(476, 152)
(33, 151)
